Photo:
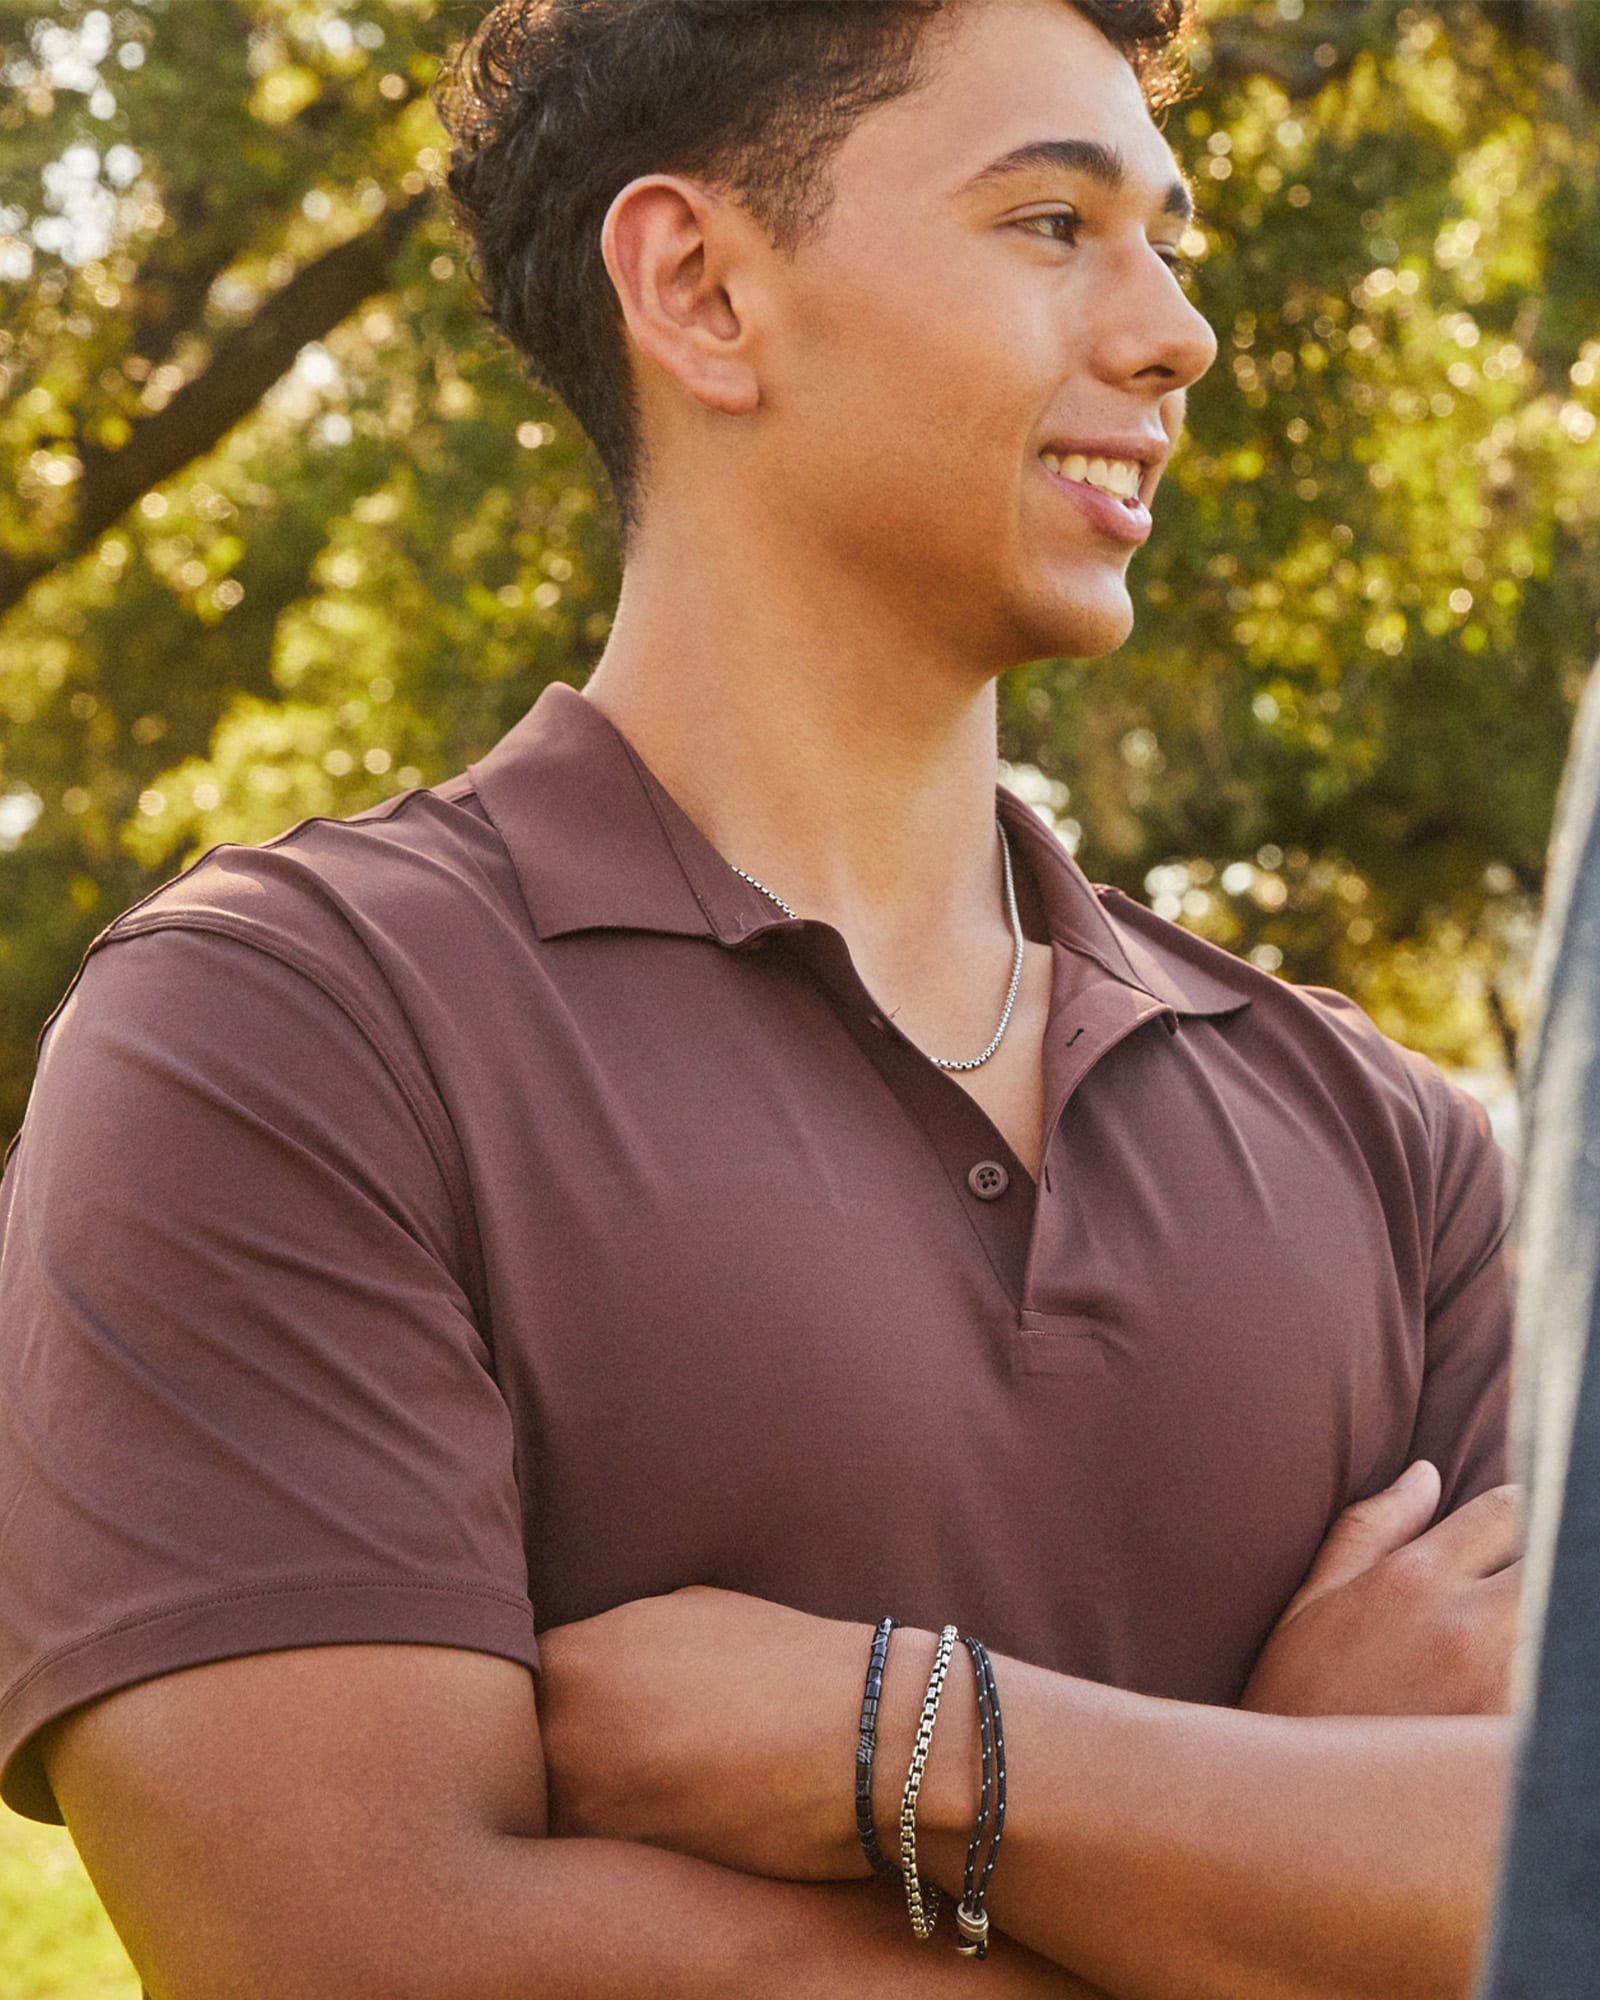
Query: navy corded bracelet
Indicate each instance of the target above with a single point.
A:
(972, 1919)
(866, 1744)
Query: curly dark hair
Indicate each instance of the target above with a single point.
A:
(553, 106)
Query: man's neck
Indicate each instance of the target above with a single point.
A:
(847, 765)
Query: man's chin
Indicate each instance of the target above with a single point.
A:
(1081, 623)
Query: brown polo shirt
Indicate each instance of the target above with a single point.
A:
(446, 1223)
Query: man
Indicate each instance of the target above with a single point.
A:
(702, 1146)
(1547, 1919)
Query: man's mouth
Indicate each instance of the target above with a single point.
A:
(1119, 477)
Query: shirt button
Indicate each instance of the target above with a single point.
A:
(988, 1180)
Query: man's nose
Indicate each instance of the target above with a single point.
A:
(1152, 333)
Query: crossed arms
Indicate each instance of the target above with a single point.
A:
(373, 1820)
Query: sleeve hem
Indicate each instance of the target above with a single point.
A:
(304, 1611)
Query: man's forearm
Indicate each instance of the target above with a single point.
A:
(1173, 1852)
(372, 1822)
(601, 1920)
(507, 1918)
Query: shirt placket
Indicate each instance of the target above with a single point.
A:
(1092, 1012)
(989, 1183)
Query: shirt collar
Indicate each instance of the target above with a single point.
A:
(1120, 935)
(597, 840)
(599, 844)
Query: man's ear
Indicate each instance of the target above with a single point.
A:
(675, 251)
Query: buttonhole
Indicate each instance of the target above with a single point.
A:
(1074, 1036)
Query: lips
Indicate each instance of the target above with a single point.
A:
(1125, 521)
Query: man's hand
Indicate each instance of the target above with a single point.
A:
(708, 1722)
(1397, 1618)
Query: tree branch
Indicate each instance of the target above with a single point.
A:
(171, 285)
(243, 366)
(1237, 48)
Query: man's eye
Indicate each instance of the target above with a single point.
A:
(1063, 225)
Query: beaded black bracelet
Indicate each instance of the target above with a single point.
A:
(866, 1744)
(972, 1920)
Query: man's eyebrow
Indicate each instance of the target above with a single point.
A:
(1101, 163)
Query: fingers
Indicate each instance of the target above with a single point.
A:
(1482, 1538)
(1370, 1530)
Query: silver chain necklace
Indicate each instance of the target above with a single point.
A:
(975, 1062)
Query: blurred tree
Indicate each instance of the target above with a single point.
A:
(286, 529)
(1334, 740)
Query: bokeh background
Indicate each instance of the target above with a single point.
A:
(284, 529)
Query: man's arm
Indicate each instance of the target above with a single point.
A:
(1338, 1852)
(1162, 1850)
(1172, 1852)
(367, 1821)
(1329, 1851)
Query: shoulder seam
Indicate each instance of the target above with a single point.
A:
(387, 810)
(114, 929)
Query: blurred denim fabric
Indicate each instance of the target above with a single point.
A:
(1545, 1943)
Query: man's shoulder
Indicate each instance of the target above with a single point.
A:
(1183, 955)
(331, 892)
(378, 910)
(1322, 1033)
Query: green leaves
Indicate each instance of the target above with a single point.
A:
(1371, 596)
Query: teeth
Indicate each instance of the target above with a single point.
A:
(1119, 476)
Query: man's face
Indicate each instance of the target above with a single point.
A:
(980, 295)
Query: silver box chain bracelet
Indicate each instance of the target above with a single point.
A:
(923, 1905)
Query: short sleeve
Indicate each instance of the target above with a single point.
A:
(1463, 1419)
(244, 1400)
